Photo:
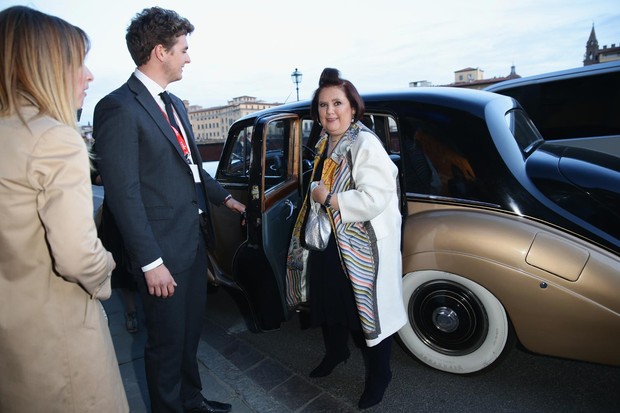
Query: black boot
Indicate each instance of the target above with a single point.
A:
(378, 373)
(335, 338)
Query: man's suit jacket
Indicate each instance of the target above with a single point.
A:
(149, 186)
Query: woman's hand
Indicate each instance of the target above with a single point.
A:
(319, 194)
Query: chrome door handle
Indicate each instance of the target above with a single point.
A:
(291, 208)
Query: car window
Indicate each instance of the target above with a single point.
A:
(580, 106)
(308, 140)
(386, 129)
(238, 162)
(306, 129)
(449, 154)
(277, 164)
(394, 139)
(525, 133)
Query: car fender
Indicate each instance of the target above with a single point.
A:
(554, 271)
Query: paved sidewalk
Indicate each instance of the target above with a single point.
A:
(130, 354)
(232, 371)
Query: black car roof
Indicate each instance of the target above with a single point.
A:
(591, 70)
(474, 101)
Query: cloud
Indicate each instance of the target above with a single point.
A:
(249, 47)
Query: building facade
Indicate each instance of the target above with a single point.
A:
(473, 78)
(470, 78)
(211, 125)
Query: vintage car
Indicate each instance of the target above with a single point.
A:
(506, 237)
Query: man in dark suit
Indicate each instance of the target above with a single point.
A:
(160, 195)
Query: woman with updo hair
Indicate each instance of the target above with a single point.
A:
(354, 286)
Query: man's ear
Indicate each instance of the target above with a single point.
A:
(159, 52)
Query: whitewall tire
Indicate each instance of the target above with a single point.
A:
(454, 324)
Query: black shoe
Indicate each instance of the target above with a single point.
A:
(210, 406)
(374, 391)
(131, 322)
(329, 363)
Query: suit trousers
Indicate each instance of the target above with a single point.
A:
(174, 325)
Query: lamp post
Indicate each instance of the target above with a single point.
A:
(296, 78)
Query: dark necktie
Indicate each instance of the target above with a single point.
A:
(202, 203)
(168, 105)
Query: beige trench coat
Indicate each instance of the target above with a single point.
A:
(56, 353)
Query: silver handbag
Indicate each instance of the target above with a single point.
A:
(318, 228)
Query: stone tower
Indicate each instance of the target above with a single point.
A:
(591, 56)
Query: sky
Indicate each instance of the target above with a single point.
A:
(251, 47)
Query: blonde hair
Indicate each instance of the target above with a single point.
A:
(42, 57)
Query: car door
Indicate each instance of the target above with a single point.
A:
(273, 197)
(230, 229)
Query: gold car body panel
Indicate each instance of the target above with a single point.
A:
(557, 256)
(563, 305)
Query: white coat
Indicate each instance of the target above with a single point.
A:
(375, 199)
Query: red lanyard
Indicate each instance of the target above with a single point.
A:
(180, 139)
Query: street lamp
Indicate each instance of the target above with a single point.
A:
(296, 78)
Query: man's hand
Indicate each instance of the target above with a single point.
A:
(235, 205)
(159, 281)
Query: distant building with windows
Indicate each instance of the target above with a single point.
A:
(471, 78)
(468, 75)
(594, 54)
(210, 125)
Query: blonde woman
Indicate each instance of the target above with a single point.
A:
(56, 353)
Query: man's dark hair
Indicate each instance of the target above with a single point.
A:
(151, 27)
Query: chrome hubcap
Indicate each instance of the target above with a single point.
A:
(445, 319)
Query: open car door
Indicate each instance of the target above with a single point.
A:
(259, 265)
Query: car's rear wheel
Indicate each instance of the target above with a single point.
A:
(454, 324)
